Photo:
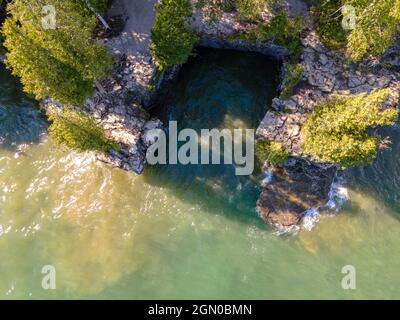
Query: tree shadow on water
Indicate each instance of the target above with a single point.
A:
(215, 188)
(21, 122)
(381, 179)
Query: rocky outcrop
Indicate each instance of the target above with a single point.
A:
(295, 187)
(125, 122)
(326, 73)
(298, 185)
(301, 185)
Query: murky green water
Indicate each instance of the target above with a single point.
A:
(182, 232)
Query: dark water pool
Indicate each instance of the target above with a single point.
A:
(218, 89)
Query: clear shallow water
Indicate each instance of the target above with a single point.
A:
(175, 233)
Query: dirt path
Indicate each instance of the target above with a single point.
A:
(139, 21)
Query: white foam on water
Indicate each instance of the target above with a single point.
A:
(4, 229)
(338, 196)
(280, 230)
(267, 177)
(310, 218)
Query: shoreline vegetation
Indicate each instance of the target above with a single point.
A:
(338, 84)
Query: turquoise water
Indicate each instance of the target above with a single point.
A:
(179, 232)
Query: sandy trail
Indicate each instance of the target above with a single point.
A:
(140, 16)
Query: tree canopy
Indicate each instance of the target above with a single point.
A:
(61, 61)
(172, 43)
(376, 24)
(77, 131)
(336, 130)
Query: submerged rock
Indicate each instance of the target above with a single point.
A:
(295, 187)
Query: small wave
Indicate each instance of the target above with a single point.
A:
(4, 229)
(281, 230)
(267, 177)
(310, 218)
(338, 196)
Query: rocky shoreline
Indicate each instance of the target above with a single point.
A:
(297, 186)
(300, 184)
(325, 74)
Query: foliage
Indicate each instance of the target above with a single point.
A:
(99, 5)
(292, 78)
(172, 43)
(77, 131)
(3, 4)
(250, 9)
(328, 20)
(61, 63)
(377, 24)
(213, 9)
(282, 30)
(247, 9)
(336, 131)
(286, 32)
(271, 152)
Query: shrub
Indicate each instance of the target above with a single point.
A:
(292, 78)
(271, 152)
(282, 30)
(77, 131)
(286, 32)
(172, 43)
(336, 130)
(98, 5)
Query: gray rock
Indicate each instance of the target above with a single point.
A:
(323, 59)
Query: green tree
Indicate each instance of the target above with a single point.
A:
(336, 130)
(172, 43)
(77, 131)
(376, 26)
(62, 62)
